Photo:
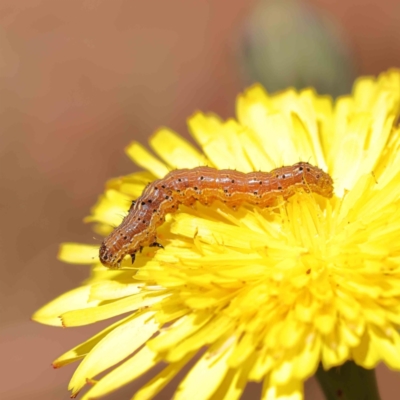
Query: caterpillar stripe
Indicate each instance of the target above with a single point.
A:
(205, 184)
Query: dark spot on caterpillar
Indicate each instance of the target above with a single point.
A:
(143, 203)
(130, 236)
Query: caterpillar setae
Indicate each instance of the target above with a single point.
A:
(205, 184)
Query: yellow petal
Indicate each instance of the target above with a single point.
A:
(151, 388)
(178, 331)
(76, 253)
(257, 155)
(387, 345)
(307, 360)
(215, 232)
(143, 158)
(121, 342)
(253, 104)
(366, 354)
(76, 299)
(334, 350)
(175, 151)
(128, 371)
(99, 313)
(131, 185)
(204, 127)
(110, 208)
(223, 149)
(211, 368)
(293, 390)
(234, 382)
(242, 350)
(208, 334)
(80, 351)
(111, 290)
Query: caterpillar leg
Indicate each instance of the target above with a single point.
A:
(156, 244)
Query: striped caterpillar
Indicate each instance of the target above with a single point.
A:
(205, 184)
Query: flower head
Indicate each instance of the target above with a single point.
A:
(257, 294)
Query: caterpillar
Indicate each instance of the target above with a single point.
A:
(205, 184)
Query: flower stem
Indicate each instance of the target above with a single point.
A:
(348, 382)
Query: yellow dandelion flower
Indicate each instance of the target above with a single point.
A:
(256, 294)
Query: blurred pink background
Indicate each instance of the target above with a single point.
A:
(79, 81)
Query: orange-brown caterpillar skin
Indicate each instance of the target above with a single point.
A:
(205, 184)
